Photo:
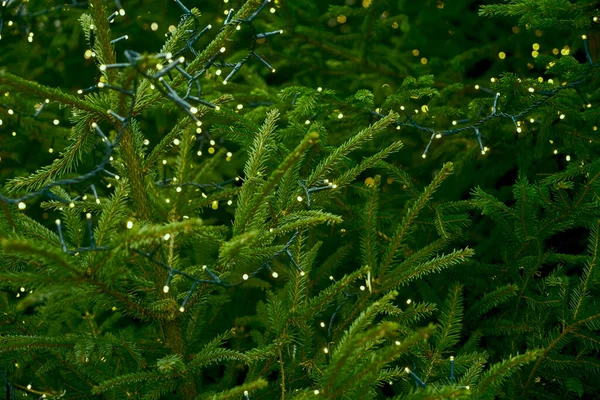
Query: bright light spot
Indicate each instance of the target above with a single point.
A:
(176, 142)
(562, 116)
(167, 236)
(408, 301)
(325, 350)
(154, 26)
(166, 289)
(22, 206)
(502, 55)
(56, 122)
(531, 90)
(299, 198)
(193, 110)
(316, 391)
(245, 277)
(129, 224)
(340, 116)
(568, 158)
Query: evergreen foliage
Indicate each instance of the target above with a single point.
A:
(386, 199)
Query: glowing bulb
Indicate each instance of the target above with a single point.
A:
(56, 122)
(121, 12)
(408, 301)
(322, 324)
(167, 236)
(166, 289)
(181, 309)
(193, 110)
(176, 142)
(129, 224)
(424, 156)
(568, 158)
(307, 122)
(340, 115)
(397, 343)
(245, 277)
(325, 350)
(178, 189)
(57, 222)
(562, 116)
(22, 206)
(275, 274)
(316, 391)
(299, 198)
(531, 90)
(222, 49)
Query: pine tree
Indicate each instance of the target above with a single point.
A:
(299, 199)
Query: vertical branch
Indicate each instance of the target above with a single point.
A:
(104, 48)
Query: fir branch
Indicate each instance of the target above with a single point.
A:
(407, 221)
(253, 171)
(399, 278)
(105, 52)
(499, 372)
(327, 165)
(581, 291)
(450, 320)
(368, 243)
(16, 83)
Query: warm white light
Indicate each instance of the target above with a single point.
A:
(245, 277)
(167, 236)
(193, 110)
(56, 122)
(166, 289)
(340, 115)
(22, 206)
(299, 198)
(129, 224)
